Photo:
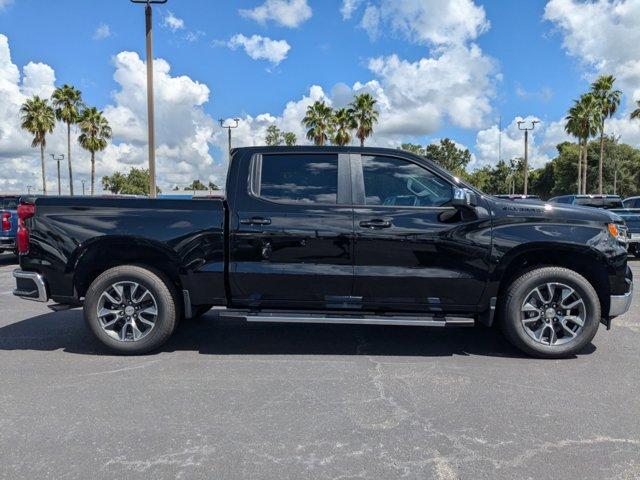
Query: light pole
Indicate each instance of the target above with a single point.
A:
(229, 127)
(29, 187)
(526, 149)
(58, 159)
(148, 11)
(83, 180)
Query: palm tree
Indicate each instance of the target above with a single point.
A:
(608, 101)
(38, 118)
(343, 124)
(95, 133)
(318, 120)
(582, 122)
(363, 111)
(67, 102)
(636, 113)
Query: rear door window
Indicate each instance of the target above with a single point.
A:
(296, 178)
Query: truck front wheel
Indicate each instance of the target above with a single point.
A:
(132, 310)
(550, 312)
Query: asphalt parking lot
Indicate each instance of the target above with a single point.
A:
(227, 400)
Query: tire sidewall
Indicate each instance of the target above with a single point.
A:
(166, 305)
(524, 285)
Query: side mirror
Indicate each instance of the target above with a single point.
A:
(463, 198)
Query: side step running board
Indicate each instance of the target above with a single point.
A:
(281, 317)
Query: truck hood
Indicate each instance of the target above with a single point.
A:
(554, 211)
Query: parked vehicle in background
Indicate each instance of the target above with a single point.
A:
(631, 216)
(9, 225)
(631, 202)
(598, 201)
(329, 235)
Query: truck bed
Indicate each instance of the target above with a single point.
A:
(71, 237)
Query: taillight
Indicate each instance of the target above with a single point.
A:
(6, 221)
(25, 211)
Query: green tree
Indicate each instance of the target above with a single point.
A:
(318, 121)
(196, 185)
(67, 102)
(449, 156)
(38, 118)
(413, 148)
(274, 136)
(608, 101)
(343, 124)
(95, 133)
(582, 123)
(136, 182)
(213, 186)
(289, 139)
(363, 111)
(636, 112)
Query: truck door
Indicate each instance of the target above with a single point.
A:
(413, 251)
(291, 235)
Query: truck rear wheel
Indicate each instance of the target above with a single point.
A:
(131, 310)
(550, 312)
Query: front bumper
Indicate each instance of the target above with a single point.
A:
(30, 286)
(620, 304)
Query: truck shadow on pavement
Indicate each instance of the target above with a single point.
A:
(213, 336)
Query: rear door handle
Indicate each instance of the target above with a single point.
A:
(376, 223)
(256, 221)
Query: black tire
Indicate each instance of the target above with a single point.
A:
(515, 296)
(159, 287)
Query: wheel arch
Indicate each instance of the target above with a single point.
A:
(588, 262)
(112, 251)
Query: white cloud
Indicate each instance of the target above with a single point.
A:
(456, 85)
(288, 13)
(349, 7)
(423, 21)
(603, 35)
(542, 142)
(261, 48)
(5, 3)
(103, 31)
(184, 132)
(172, 22)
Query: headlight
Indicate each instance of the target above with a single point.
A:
(618, 231)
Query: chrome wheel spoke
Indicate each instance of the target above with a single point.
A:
(553, 313)
(127, 311)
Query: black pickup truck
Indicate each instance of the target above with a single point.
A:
(329, 235)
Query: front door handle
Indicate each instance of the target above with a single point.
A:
(376, 223)
(255, 221)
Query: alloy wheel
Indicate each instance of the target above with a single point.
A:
(127, 311)
(553, 314)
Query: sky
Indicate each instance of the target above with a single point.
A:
(463, 69)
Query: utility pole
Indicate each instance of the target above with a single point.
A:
(499, 138)
(58, 159)
(83, 180)
(148, 13)
(229, 127)
(526, 149)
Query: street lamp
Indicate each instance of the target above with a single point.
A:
(150, 114)
(229, 127)
(29, 187)
(526, 149)
(58, 159)
(83, 180)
